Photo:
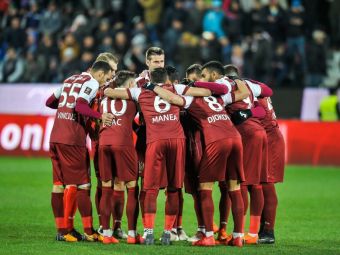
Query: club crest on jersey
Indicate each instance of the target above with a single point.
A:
(88, 91)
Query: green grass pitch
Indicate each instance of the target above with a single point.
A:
(308, 218)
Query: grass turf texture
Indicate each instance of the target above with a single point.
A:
(307, 218)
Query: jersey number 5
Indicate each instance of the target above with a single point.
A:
(71, 94)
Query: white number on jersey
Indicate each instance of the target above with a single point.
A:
(72, 93)
(113, 107)
(158, 101)
(213, 104)
(270, 107)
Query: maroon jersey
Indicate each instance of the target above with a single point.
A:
(143, 79)
(269, 121)
(161, 118)
(120, 132)
(69, 126)
(211, 117)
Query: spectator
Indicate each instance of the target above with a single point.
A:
(15, 36)
(103, 30)
(316, 55)
(12, 67)
(51, 20)
(234, 17)
(68, 45)
(170, 39)
(195, 20)
(32, 18)
(134, 59)
(88, 44)
(34, 68)
(279, 65)
(121, 44)
(86, 61)
(106, 45)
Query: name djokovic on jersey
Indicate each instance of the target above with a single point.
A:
(67, 116)
(217, 117)
(164, 117)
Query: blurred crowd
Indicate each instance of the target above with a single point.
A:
(281, 42)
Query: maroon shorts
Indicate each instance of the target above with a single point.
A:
(255, 153)
(164, 164)
(276, 155)
(118, 162)
(95, 147)
(71, 164)
(222, 160)
(192, 162)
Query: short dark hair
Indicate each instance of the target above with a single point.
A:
(101, 66)
(214, 66)
(158, 75)
(194, 68)
(231, 70)
(153, 51)
(122, 76)
(173, 74)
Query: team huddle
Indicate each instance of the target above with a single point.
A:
(213, 126)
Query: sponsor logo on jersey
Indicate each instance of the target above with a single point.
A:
(88, 90)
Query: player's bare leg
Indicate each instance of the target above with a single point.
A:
(207, 203)
(105, 209)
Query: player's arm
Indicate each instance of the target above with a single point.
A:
(121, 93)
(214, 87)
(241, 93)
(190, 91)
(87, 93)
(53, 101)
(239, 117)
(167, 95)
(260, 89)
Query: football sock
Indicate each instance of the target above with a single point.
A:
(179, 217)
(224, 206)
(198, 209)
(142, 194)
(150, 207)
(85, 209)
(118, 201)
(244, 192)
(171, 209)
(256, 207)
(270, 205)
(132, 233)
(105, 206)
(70, 197)
(132, 209)
(57, 202)
(237, 207)
(208, 212)
(97, 201)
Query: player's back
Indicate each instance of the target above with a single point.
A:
(161, 118)
(69, 126)
(211, 117)
(120, 133)
(269, 121)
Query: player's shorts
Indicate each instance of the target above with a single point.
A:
(95, 147)
(276, 155)
(222, 160)
(118, 162)
(164, 164)
(71, 164)
(192, 162)
(255, 153)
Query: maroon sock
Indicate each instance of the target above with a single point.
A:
(171, 209)
(97, 201)
(270, 205)
(244, 191)
(208, 211)
(237, 207)
(141, 201)
(198, 209)
(179, 217)
(105, 206)
(117, 207)
(256, 200)
(132, 209)
(57, 202)
(85, 210)
(150, 207)
(224, 206)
